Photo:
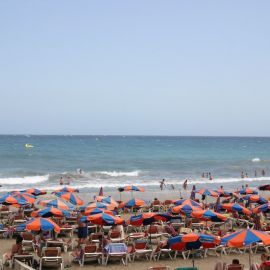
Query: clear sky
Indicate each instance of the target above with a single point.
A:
(135, 67)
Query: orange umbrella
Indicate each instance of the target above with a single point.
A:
(37, 224)
(133, 203)
(104, 219)
(107, 200)
(70, 197)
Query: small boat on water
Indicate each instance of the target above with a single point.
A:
(27, 145)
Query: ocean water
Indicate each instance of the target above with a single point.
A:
(114, 161)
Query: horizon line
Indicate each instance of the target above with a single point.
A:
(135, 135)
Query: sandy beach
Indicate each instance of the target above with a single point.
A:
(142, 264)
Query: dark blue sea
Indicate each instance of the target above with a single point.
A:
(113, 161)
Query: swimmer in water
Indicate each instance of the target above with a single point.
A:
(61, 181)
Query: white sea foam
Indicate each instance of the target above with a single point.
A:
(119, 174)
(27, 180)
(256, 159)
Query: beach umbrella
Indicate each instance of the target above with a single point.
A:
(187, 202)
(262, 208)
(208, 215)
(9, 199)
(50, 212)
(207, 192)
(235, 207)
(185, 209)
(133, 188)
(107, 200)
(100, 205)
(66, 189)
(264, 187)
(141, 219)
(34, 191)
(29, 198)
(57, 203)
(94, 211)
(255, 199)
(223, 193)
(103, 219)
(39, 224)
(192, 241)
(246, 191)
(133, 203)
(245, 237)
(70, 197)
(148, 218)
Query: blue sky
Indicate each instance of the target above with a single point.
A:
(135, 67)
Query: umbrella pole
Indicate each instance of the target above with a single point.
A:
(193, 259)
(249, 256)
(102, 247)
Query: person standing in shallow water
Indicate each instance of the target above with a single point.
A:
(162, 184)
(185, 185)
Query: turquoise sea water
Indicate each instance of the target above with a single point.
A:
(113, 161)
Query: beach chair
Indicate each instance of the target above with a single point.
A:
(25, 258)
(185, 231)
(217, 249)
(90, 252)
(135, 236)
(168, 204)
(3, 230)
(51, 257)
(261, 246)
(141, 249)
(159, 251)
(115, 237)
(159, 268)
(153, 233)
(95, 237)
(180, 249)
(234, 267)
(116, 251)
(186, 268)
(28, 241)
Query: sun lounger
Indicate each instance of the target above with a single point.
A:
(180, 248)
(58, 243)
(51, 257)
(25, 258)
(28, 241)
(116, 251)
(153, 233)
(135, 236)
(141, 249)
(67, 231)
(90, 252)
(115, 237)
(159, 251)
(159, 268)
(234, 267)
(186, 268)
(95, 237)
